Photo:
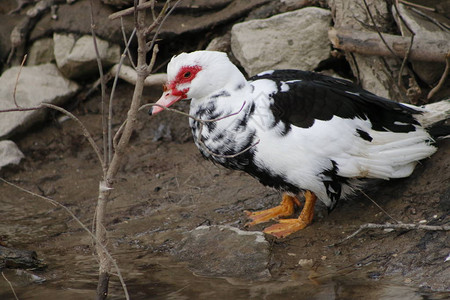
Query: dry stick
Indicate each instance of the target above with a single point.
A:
(85, 131)
(417, 5)
(106, 158)
(399, 82)
(368, 43)
(130, 10)
(56, 203)
(17, 79)
(161, 23)
(123, 142)
(442, 26)
(11, 286)
(113, 89)
(413, 34)
(442, 80)
(124, 35)
(393, 226)
(377, 205)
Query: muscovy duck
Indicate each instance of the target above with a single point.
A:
(296, 131)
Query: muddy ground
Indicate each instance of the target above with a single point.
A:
(165, 188)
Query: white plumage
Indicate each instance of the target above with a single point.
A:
(303, 131)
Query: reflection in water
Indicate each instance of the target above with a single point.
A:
(166, 279)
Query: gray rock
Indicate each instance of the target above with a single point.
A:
(293, 40)
(225, 251)
(41, 52)
(423, 28)
(10, 154)
(76, 58)
(36, 84)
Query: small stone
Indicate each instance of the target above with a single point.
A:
(305, 263)
(323, 257)
(10, 154)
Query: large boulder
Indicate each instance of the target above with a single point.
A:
(292, 40)
(76, 58)
(36, 84)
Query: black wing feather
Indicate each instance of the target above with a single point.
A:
(320, 97)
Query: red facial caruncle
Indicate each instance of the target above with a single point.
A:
(184, 76)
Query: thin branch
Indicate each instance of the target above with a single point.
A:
(106, 158)
(11, 286)
(122, 26)
(417, 5)
(377, 205)
(111, 96)
(130, 10)
(393, 226)
(56, 203)
(413, 34)
(86, 132)
(377, 29)
(442, 80)
(158, 19)
(160, 25)
(17, 79)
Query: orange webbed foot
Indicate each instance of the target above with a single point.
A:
(285, 209)
(286, 227)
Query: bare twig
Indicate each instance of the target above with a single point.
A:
(17, 80)
(377, 205)
(130, 10)
(106, 157)
(122, 26)
(86, 132)
(84, 129)
(413, 34)
(150, 45)
(442, 80)
(417, 5)
(11, 286)
(393, 226)
(111, 96)
(56, 203)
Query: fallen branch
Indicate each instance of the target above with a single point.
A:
(393, 226)
(129, 75)
(369, 43)
(130, 10)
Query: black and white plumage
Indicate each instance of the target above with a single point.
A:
(303, 131)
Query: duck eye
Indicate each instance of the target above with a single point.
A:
(187, 74)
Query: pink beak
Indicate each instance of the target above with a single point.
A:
(166, 100)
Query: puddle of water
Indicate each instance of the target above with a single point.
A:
(166, 279)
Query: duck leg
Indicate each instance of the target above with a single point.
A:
(285, 209)
(287, 226)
